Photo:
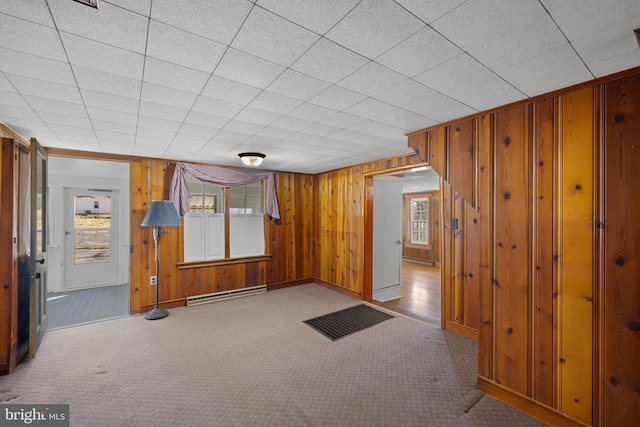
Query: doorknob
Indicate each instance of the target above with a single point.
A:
(66, 233)
(398, 242)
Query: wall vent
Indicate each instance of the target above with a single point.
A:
(92, 3)
(225, 295)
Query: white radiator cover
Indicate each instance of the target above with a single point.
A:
(225, 295)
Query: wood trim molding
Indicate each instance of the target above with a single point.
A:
(527, 405)
(226, 261)
(337, 288)
(289, 284)
(7, 132)
(459, 329)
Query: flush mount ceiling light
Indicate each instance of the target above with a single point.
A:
(252, 159)
(92, 3)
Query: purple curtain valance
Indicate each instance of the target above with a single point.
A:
(179, 192)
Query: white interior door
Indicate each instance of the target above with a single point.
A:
(387, 238)
(91, 255)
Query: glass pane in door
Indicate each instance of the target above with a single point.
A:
(92, 226)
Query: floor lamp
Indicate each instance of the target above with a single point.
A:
(161, 213)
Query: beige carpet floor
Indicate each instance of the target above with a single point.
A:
(253, 362)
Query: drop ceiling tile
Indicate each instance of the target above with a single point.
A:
(219, 21)
(161, 124)
(230, 91)
(371, 79)
(183, 48)
(374, 26)
(99, 81)
(261, 140)
(156, 141)
(216, 107)
(466, 80)
(241, 126)
(58, 107)
(248, 69)
(291, 123)
(154, 133)
(35, 39)
(274, 132)
(110, 127)
(69, 131)
(96, 113)
(275, 39)
(321, 129)
(189, 129)
(317, 16)
(142, 7)
(369, 108)
(43, 89)
(482, 23)
(342, 120)
(297, 85)
(429, 11)
(115, 137)
(198, 141)
(555, 70)
(328, 61)
(5, 85)
(112, 25)
(441, 108)
(381, 130)
(207, 120)
(534, 38)
(420, 52)
(174, 76)
(17, 113)
(147, 147)
(36, 67)
(167, 96)
(109, 102)
(311, 112)
(405, 120)
(99, 56)
(13, 99)
(33, 11)
(231, 136)
(607, 44)
(408, 95)
(163, 112)
(256, 115)
(274, 102)
(337, 98)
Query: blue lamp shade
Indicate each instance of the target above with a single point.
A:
(161, 213)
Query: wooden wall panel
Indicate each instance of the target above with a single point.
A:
(544, 337)
(576, 248)
(511, 248)
(621, 307)
(471, 267)
(461, 159)
(438, 151)
(484, 202)
(419, 144)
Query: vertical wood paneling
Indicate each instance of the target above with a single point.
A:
(461, 152)
(447, 265)
(621, 352)
(472, 265)
(139, 244)
(458, 264)
(511, 246)
(418, 142)
(438, 152)
(484, 166)
(576, 240)
(544, 338)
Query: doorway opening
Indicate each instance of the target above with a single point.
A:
(89, 230)
(421, 247)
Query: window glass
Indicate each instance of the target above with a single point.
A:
(419, 220)
(246, 199)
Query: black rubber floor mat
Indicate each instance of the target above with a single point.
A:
(345, 322)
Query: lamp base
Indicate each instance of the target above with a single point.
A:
(156, 313)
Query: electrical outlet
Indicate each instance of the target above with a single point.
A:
(154, 280)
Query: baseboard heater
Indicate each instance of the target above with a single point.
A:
(225, 295)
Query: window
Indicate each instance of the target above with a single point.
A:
(419, 225)
(206, 222)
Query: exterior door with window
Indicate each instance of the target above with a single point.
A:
(91, 256)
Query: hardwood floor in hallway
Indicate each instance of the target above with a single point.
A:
(420, 293)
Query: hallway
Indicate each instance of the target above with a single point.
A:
(420, 293)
